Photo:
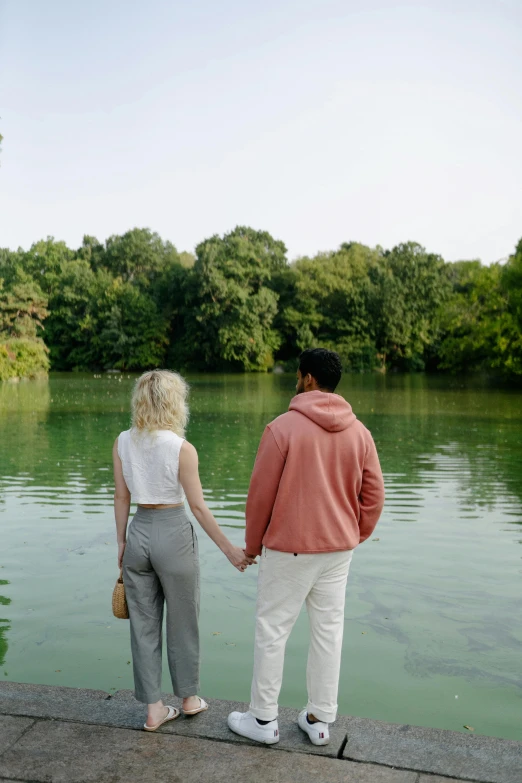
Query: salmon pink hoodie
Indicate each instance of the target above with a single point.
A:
(317, 484)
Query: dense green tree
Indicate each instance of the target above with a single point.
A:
(229, 306)
(46, 262)
(187, 259)
(283, 283)
(409, 289)
(139, 256)
(127, 331)
(103, 322)
(109, 304)
(331, 304)
(23, 307)
(511, 285)
(22, 358)
(22, 310)
(134, 302)
(67, 328)
(475, 319)
(92, 251)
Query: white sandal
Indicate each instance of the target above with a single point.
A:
(172, 714)
(202, 707)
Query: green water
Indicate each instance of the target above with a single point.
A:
(433, 631)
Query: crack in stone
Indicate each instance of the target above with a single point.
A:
(24, 732)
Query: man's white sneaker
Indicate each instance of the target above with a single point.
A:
(318, 732)
(245, 724)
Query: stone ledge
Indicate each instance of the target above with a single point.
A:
(75, 753)
(422, 750)
(123, 711)
(27, 692)
(213, 725)
(437, 751)
(49, 701)
(433, 779)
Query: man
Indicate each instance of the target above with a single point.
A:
(316, 493)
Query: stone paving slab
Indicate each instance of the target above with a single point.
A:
(437, 751)
(123, 711)
(75, 753)
(435, 779)
(11, 729)
(49, 701)
(213, 724)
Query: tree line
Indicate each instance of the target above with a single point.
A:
(135, 302)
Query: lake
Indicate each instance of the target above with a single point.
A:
(433, 628)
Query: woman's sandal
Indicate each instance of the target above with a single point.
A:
(202, 707)
(172, 714)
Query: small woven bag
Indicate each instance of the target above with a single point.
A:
(119, 602)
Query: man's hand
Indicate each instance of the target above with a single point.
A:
(251, 558)
(237, 557)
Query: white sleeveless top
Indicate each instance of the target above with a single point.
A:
(150, 463)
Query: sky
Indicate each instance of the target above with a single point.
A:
(320, 121)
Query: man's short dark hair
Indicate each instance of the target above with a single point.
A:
(325, 366)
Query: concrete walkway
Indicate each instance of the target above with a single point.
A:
(67, 735)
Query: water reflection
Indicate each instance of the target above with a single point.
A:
(4, 625)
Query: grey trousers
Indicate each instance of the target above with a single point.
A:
(161, 564)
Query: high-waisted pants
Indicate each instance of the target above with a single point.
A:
(161, 565)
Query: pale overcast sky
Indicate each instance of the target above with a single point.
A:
(320, 121)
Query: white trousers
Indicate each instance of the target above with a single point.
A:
(285, 582)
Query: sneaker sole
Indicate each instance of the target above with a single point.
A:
(320, 741)
(267, 741)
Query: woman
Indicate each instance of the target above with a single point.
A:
(156, 467)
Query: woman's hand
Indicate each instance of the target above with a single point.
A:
(238, 558)
(121, 551)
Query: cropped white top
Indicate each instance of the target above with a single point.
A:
(150, 462)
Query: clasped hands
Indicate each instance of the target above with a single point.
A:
(240, 558)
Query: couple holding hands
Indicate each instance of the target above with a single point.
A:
(316, 492)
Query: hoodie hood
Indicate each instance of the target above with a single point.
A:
(329, 411)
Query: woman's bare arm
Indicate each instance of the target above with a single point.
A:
(190, 481)
(122, 500)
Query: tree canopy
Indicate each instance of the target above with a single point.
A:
(134, 302)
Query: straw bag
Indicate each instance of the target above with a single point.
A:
(119, 602)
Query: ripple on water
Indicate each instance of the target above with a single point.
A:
(433, 596)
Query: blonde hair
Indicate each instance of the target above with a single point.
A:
(159, 402)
